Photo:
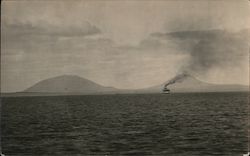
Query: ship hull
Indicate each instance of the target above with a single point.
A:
(165, 92)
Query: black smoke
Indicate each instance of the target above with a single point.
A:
(177, 78)
(209, 49)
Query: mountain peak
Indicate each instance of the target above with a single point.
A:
(67, 76)
(68, 84)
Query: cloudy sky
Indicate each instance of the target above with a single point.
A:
(125, 44)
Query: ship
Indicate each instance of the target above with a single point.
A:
(165, 90)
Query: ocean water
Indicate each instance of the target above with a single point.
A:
(193, 124)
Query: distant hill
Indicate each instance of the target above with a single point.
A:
(75, 85)
(191, 84)
(68, 84)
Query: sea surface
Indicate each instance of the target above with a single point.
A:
(183, 124)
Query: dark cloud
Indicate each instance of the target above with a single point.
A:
(209, 49)
(44, 28)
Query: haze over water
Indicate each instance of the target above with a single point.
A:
(192, 124)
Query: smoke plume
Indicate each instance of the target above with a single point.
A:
(177, 78)
(208, 50)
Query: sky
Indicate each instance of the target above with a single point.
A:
(125, 44)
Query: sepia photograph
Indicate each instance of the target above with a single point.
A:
(125, 78)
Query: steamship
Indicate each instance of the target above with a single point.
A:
(165, 90)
